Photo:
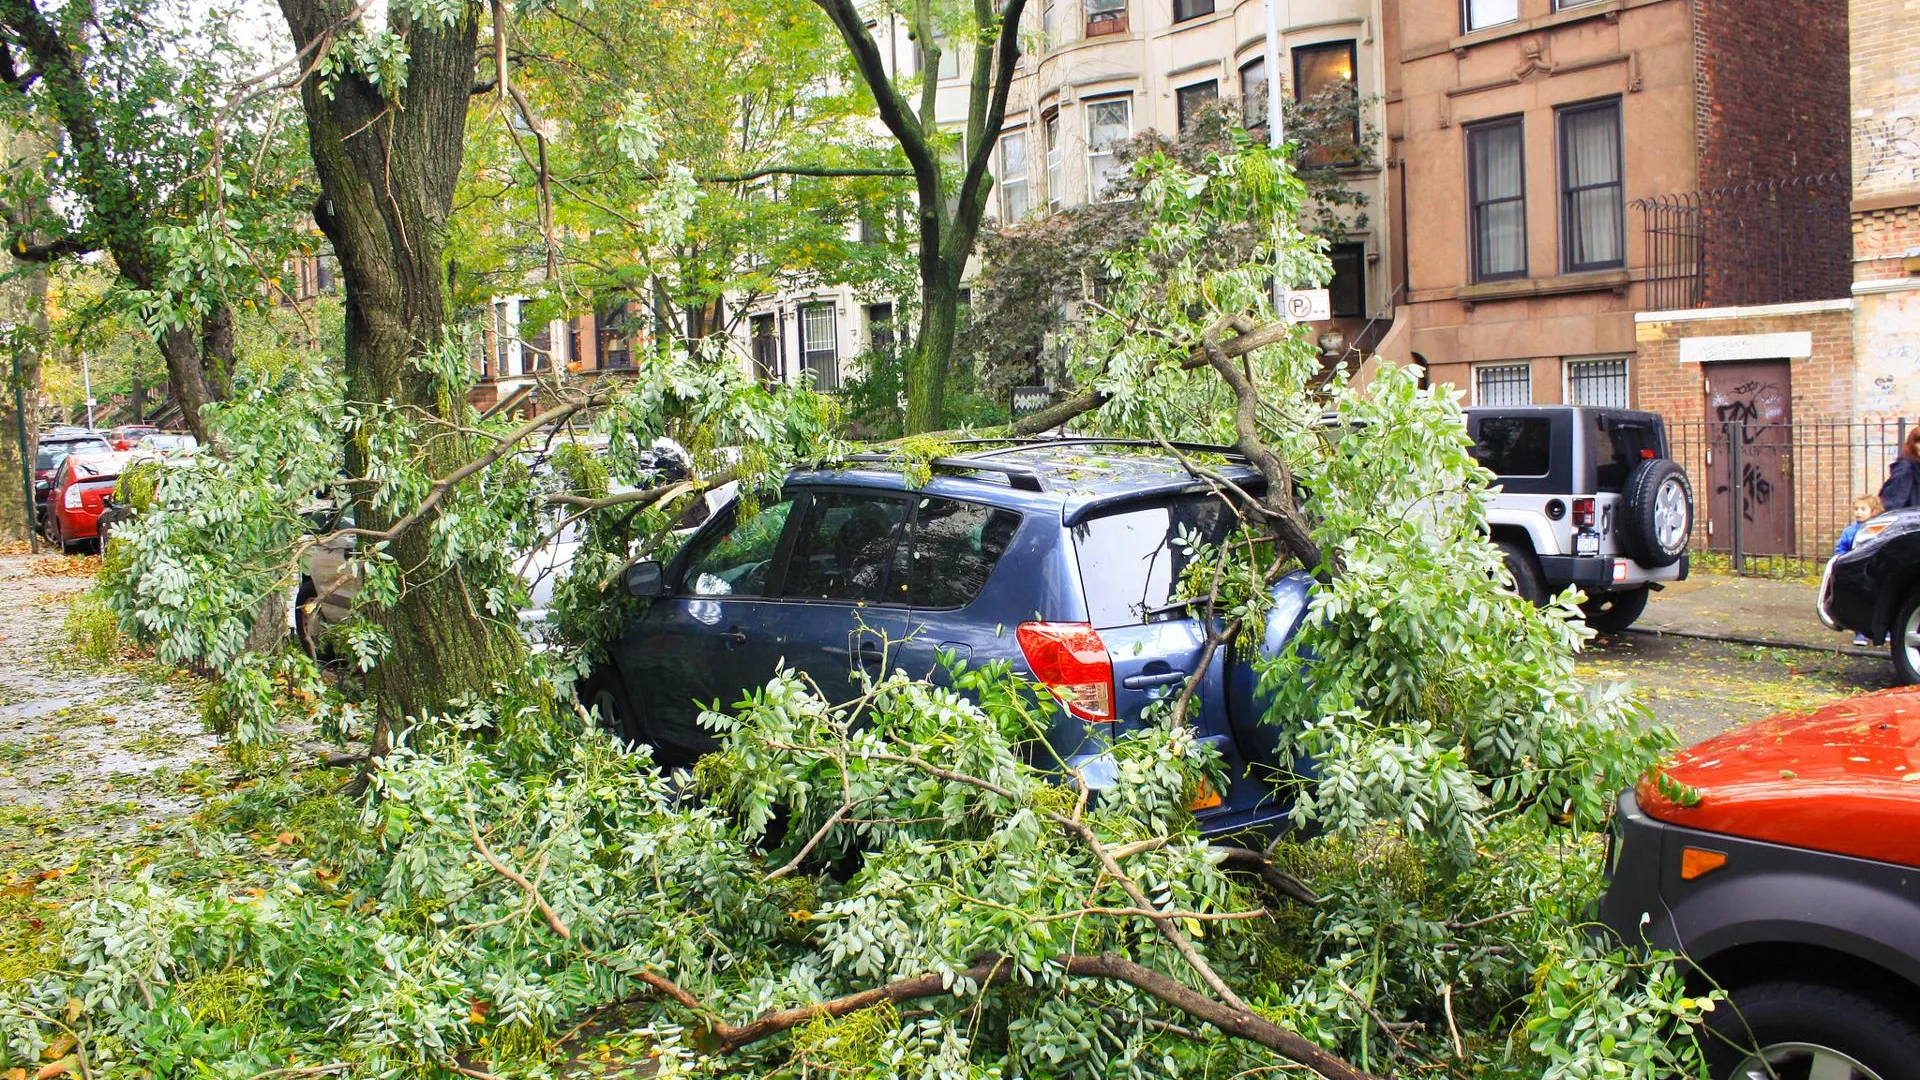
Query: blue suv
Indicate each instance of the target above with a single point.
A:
(1061, 556)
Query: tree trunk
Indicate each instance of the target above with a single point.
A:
(23, 304)
(387, 174)
(932, 351)
(188, 380)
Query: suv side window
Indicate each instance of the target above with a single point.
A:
(1514, 445)
(956, 545)
(844, 548)
(1618, 449)
(735, 560)
(1131, 562)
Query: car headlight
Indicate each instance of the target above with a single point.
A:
(1871, 531)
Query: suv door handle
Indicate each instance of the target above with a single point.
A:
(868, 654)
(733, 637)
(1148, 682)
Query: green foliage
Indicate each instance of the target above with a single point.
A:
(91, 628)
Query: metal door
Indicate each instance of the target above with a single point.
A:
(1750, 465)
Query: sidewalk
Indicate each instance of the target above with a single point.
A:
(1744, 610)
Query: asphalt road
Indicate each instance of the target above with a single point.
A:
(1701, 687)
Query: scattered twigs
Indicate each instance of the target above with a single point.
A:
(1246, 859)
(305, 1070)
(1151, 913)
(554, 922)
(1453, 1029)
(833, 821)
(1489, 919)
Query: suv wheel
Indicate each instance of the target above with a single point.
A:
(1792, 1029)
(1656, 513)
(1905, 641)
(1524, 570)
(1615, 610)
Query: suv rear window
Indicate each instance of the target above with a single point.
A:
(52, 453)
(1618, 449)
(1514, 445)
(1129, 563)
(956, 545)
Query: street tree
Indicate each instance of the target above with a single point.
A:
(164, 162)
(950, 168)
(687, 162)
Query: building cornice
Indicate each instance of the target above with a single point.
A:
(1889, 285)
(1886, 200)
(1804, 307)
(1609, 10)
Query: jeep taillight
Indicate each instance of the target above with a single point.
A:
(1583, 513)
(1071, 660)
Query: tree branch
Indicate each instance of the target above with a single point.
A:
(58, 248)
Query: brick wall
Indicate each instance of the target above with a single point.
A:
(1881, 239)
(1885, 112)
(1825, 470)
(1775, 88)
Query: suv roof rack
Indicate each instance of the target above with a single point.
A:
(1010, 444)
(1020, 477)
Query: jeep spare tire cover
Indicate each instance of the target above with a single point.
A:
(1656, 513)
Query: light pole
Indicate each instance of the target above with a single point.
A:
(1276, 120)
(86, 386)
(26, 463)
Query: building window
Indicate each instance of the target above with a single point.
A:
(1106, 17)
(819, 346)
(1323, 82)
(880, 328)
(538, 349)
(1347, 290)
(1503, 384)
(1480, 14)
(1109, 123)
(1188, 100)
(1600, 382)
(1191, 9)
(1562, 5)
(1055, 179)
(949, 57)
(615, 344)
(1592, 225)
(1015, 199)
(766, 349)
(1498, 197)
(1253, 92)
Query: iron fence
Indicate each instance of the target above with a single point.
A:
(1773, 498)
(1767, 242)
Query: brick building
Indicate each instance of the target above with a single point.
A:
(1566, 167)
(1886, 209)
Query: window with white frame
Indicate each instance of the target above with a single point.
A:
(1047, 18)
(1015, 198)
(1109, 123)
(819, 345)
(1480, 14)
(1599, 380)
(1503, 384)
(949, 56)
(1056, 179)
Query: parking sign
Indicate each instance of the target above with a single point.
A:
(1308, 305)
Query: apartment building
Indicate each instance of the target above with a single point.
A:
(1886, 210)
(1582, 184)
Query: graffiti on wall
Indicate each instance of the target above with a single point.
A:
(1889, 149)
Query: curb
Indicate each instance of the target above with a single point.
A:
(1757, 642)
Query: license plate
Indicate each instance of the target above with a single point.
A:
(1205, 798)
(1586, 544)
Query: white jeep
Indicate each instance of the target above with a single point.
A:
(1585, 496)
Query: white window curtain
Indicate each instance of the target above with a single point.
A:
(1109, 123)
(1590, 165)
(1056, 180)
(1483, 13)
(1014, 198)
(1499, 201)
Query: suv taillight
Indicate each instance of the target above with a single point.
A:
(72, 497)
(1071, 660)
(1583, 513)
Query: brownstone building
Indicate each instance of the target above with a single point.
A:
(1583, 183)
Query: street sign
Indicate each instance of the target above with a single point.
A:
(1028, 400)
(1307, 305)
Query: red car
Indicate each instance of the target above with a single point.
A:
(80, 488)
(128, 436)
(1782, 859)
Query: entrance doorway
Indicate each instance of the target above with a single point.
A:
(1750, 463)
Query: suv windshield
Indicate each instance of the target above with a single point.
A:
(1130, 562)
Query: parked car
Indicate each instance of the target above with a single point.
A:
(1783, 860)
(128, 436)
(53, 448)
(77, 495)
(1588, 497)
(1874, 589)
(1061, 557)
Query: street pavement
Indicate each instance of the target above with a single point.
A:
(1717, 651)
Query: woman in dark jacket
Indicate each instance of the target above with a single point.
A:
(1902, 488)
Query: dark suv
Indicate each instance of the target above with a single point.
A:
(1062, 557)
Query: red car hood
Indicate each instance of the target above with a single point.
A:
(1843, 778)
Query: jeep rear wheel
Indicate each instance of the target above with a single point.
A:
(1525, 571)
(1807, 1031)
(1656, 513)
(1615, 610)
